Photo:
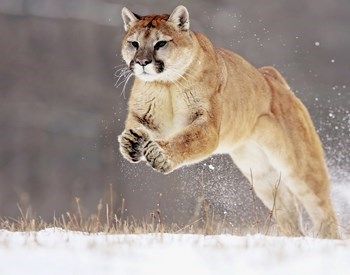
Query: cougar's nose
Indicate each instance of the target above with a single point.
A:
(143, 61)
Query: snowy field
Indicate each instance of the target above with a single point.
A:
(54, 251)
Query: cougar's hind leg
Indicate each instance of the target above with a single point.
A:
(303, 171)
(269, 187)
(317, 204)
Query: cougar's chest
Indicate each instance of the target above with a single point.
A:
(163, 112)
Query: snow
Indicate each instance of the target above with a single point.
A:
(55, 251)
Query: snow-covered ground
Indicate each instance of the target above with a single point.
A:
(55, 251)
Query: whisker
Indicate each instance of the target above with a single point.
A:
(190, 76)
(184, 78)
(121, 74)
(121, 82)
(117, 83)
(174, 71)
(176, 83)
(120, 71)
(124, 74)
(118, 66)
(127, 79)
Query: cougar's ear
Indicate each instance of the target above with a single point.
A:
(129, 17)
(180, 17)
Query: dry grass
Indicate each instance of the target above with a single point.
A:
(108, 220)
(104, 221)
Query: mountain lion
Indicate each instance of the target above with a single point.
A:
(191, 100)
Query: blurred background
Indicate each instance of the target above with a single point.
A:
(60, 112)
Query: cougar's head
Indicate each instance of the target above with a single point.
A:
(157, 47)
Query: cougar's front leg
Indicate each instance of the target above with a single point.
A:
(195, 143)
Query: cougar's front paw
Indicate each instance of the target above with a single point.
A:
(131, 144)
(157, 158)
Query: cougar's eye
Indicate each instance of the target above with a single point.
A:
(135, 44)
(160, 44)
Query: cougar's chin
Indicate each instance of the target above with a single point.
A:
(146, 73)
(147, 77)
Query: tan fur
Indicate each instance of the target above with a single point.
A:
(216, 102)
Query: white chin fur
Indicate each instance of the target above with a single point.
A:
(147, 77)
(146, 73)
